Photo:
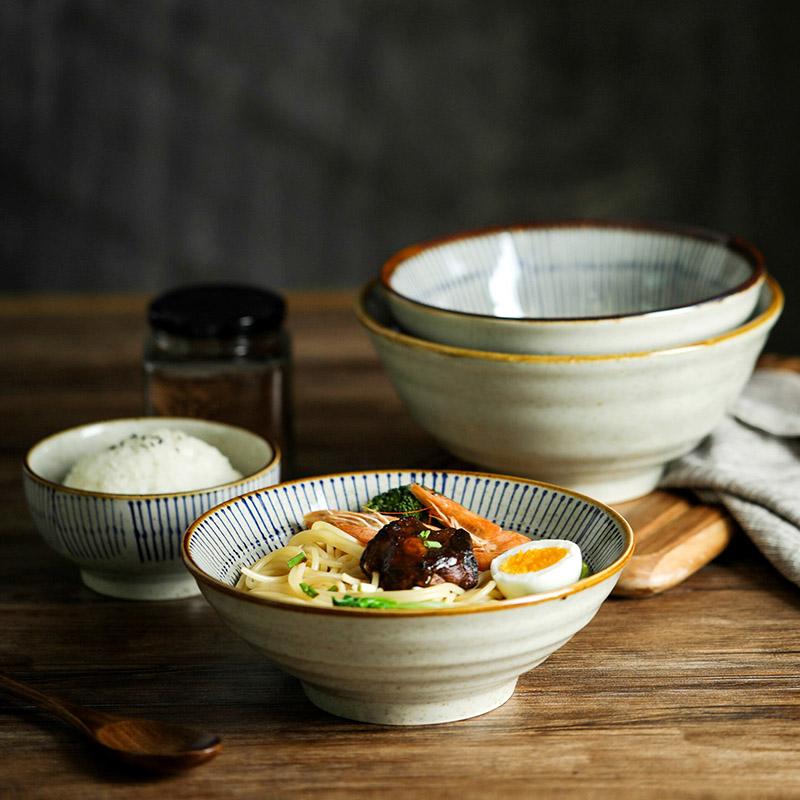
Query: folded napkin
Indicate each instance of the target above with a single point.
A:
(750, 464)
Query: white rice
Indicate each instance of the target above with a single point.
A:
(152, 463)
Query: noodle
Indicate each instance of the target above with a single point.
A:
(321, 564)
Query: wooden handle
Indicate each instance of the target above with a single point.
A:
(83, 719)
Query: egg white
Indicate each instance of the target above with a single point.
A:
(563, 573)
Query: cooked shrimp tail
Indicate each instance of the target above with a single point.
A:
(361, 524)
(488, 538)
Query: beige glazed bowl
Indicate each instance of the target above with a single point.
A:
(407, 666)
(603, 425)
(129, 545)
(578, 287)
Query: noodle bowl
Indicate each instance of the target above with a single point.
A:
(398, 666)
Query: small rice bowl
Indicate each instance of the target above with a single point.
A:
(161, 462)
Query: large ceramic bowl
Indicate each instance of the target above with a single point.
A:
(407, 667)
(129, 545)
(603, 425)
(574, 288)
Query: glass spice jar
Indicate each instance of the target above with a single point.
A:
(220, 352)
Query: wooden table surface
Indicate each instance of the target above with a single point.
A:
(693, 693)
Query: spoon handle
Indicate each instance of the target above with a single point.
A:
(83, 719)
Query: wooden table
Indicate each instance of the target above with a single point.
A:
(692, 693)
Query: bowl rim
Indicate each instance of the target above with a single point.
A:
(35, 476)
(752, 255)
(372, 325)
(404, 613)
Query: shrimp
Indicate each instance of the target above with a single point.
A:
(488, 539)
(361, 524)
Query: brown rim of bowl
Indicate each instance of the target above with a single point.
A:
(34, 476)
(202, 577)
(407, 340)
(736, 244)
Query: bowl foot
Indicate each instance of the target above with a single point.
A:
(615, 488)
(139, 587)
(388, 713)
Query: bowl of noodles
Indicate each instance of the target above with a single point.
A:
(283, 567)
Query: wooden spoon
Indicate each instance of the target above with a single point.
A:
(157, 746)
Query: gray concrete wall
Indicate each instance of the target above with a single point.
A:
(298, 143)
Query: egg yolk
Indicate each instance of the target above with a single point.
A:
(533, 559)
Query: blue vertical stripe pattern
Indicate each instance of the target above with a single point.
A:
(250, 527)
(114, 531)
(569, 272)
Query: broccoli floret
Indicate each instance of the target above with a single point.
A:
(397, 501)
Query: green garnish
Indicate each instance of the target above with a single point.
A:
(363, 602)
(585, 571)
(348, 601)
(396, 501)
(333, 588)
(298, 559)
(309, 590)
(429, 543)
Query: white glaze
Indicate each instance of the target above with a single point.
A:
(572, 290)
(407, 667)
(129, 545)
(605, 426)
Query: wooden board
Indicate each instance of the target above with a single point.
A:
(675, 536)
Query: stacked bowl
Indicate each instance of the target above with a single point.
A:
(586, 354)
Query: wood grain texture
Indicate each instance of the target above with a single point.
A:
(675, 537)
(692, 693)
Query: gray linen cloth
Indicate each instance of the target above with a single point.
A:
(750, 464)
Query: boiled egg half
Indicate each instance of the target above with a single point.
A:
(534, 567)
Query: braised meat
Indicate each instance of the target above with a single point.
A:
(405, 553)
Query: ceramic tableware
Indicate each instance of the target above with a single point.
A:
(574, 287)
(407, 666)
(601, 424)
(129, 545)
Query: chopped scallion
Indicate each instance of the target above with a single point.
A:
(309, 590)
(298, 559)
(348, 601)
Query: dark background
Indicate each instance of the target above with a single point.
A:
(298, 143)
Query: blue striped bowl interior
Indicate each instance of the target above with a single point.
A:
(249, 527)
(570, 272)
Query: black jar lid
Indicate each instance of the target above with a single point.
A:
(217, 310)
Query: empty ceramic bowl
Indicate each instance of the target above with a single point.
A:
(404, 666)
(574, 288)
(603, 425)
(128, 545)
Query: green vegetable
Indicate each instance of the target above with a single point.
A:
(298, 559)
(309, 590)
(429, 543)
(585, 571)
(396, 501)
(333, 588)
(348, 601)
